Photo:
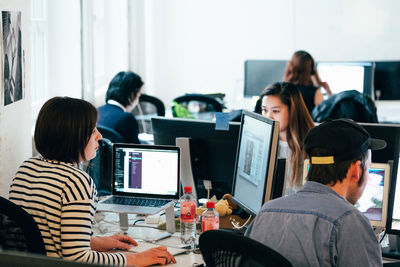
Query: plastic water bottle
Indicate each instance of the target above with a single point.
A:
(188, 217)
(210, 218)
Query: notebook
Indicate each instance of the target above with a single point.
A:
(145, 179)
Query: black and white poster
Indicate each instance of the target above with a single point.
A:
(12, 57)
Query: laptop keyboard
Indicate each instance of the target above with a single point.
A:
(137, 201)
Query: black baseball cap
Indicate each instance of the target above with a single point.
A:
(343, 138)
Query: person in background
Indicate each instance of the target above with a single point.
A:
(283, 102)
(319, 225)
(122, 96)
(62, 198)
(302, 71)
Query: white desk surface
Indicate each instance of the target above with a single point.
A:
(107, 223)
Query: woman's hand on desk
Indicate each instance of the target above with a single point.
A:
(158, 255)
(118, 241)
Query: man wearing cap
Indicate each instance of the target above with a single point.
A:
(319, 225)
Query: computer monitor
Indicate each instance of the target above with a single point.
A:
(387, 80)
(212, 152)
(258, 74)
(393, 222)
(255, 162)
(375, 198)
(343, 76)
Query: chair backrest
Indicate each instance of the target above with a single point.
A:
(150, 105)
(110, 134)
(211, 104)
(225, 248)
(18, 230)
(349, 104)
(99, 168)
(25, 259)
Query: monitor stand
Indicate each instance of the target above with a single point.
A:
(150, 234)
(186, 164)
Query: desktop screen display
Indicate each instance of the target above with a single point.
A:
(255, 163)
(374, 200)
(146, 170)
(258, 74)
(395, 222)
(346, 76)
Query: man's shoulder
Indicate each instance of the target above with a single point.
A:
(328, 206)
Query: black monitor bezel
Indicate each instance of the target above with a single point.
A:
(242, 205)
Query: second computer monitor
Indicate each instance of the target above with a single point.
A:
(255, 162)
(343, 76)
(212, 151)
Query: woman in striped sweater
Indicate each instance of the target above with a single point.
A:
(62, 198)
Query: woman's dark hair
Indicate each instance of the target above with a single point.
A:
(124, 87)
(300, 121)
(330, 174)
(63, 128)
(300, 68)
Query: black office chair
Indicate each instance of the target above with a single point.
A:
(150, 105)
(18, 230)
(99, 168)
(224, 248)
(207, 103)
(110, 134)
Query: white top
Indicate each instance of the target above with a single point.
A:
(115, 103)
(285, 152)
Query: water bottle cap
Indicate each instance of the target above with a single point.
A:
(210, 205)
(187, 189)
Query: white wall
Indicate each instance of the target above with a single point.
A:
(15, 136)
(64, 53)
(196, 46)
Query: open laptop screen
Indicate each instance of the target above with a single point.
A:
(146, 170)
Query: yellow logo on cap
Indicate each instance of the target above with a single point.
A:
(322, 160)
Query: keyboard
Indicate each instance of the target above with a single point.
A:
(137, 201)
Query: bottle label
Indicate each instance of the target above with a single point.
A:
(188, 210)
(210, 223)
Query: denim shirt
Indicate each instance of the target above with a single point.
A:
(317, 227)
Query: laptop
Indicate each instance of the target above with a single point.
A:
(145, 179)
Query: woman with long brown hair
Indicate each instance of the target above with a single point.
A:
(283, 102)
(301, 70)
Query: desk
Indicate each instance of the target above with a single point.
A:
(107, 223)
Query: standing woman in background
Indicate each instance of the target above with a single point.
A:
(283, 102)
(121, 98)
(62, 198)
(301, 70)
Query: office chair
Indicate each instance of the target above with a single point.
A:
(18, 230)
(110, 134)
(225, 248)
(99, 168)
(148, 106)
(206, 102)
(24, 259)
